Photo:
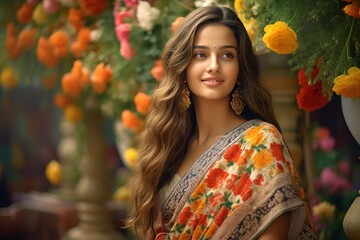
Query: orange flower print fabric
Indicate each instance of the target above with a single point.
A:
(243, 172)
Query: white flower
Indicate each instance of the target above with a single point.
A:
(205, 3)
(95, 35)
(146, 15)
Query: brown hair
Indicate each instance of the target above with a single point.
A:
(166, 133)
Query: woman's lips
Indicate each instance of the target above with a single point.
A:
(212, 81)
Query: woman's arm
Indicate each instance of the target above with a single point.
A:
(278, 229)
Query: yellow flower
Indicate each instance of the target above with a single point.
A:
(73, 113)
(249, 24)
(262, 159)
(122, 194)
(8, 78)
(130, 157)
(348, 85)
(280, 38)
(39, 16)
(324, 210)
(53, 172)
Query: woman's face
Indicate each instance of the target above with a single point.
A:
(213, 69)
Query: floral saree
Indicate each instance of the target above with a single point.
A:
(236, 189)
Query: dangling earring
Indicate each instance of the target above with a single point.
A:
(237, 103)
(185, 97)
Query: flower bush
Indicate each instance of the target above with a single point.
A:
(312, 33)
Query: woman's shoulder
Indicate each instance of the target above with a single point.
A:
(256, 125)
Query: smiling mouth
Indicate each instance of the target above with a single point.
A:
(212, 80)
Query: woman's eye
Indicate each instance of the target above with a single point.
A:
(228, 55)
(199, 55)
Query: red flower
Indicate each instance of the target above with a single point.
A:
(184, 216)
(310, 96)
(242, 188)
(216, 177)
(215, 199)
(232, 153)
(259, 180)
(277, 151)
(220, 217)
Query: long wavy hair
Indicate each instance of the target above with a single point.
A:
(163, 142)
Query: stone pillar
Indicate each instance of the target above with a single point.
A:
(282, 83)
(94, 187)
(67, 149)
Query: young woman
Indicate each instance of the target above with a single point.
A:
(213, 163)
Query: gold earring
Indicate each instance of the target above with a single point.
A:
(237, 103)
(185, 97)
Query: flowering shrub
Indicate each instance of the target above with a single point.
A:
(335, 189)
(322, 33)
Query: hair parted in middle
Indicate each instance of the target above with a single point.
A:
(167, 130)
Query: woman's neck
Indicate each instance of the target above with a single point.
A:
(214, 118)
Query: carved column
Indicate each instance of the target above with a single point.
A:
(94, 187)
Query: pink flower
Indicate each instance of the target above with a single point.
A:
(344, 167)
(332, 182)
(327, 143)
(51, 6)
(126, 50)
(119, 17)
(131, 3)
(123, 31)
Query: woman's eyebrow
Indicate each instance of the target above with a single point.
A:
(218, 47)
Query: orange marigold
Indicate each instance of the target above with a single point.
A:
(26, 38)
(80, 73)
(348, 85)
(11, 41)
(352, 10)
(93, 7)
(75, 17)
(101, 76)
(131, 121)
(157, 71)
(24, 14)
(59, 41)
(71, 85)
(142, 102)
(82, 42)
(45, 53)
(175, 24)
(280, 38)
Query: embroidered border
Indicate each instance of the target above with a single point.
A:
(252, 221)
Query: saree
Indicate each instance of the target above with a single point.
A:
(236, 189)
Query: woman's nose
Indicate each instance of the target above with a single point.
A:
(213, 65)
